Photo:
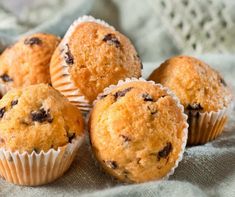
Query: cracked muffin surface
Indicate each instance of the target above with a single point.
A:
(37, 118)
(96, 56)
(27, 61)
(198, 86)
(137, 132)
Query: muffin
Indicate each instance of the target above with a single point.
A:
(201, 90)
(138, 131)
(40, 132)
(92, 56)
(27, 61)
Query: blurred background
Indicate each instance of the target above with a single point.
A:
(158, 28)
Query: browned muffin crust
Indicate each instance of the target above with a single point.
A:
(137, 132)
(198, 86)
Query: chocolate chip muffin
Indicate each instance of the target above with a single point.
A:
(27, 61)
(91, 56)
(138, 131)
(201, 90)
(37, 118)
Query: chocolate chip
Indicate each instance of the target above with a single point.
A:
(41, 116)
(103, 96)
(2, 111)
(121, 93)
(165, 151)
(112, 164)
(32, 41)
(126, 138)
(6, 78)
(2, 141)
(36, 150)
(147, 97)
(223, 82)
(138, 160)
(194, 106)
(68, 56)
(71, 136)
(10, 159)
(112, 40)
(14, 102)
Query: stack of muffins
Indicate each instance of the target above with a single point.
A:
(138, 129)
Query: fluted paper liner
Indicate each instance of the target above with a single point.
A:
(206, 126)
(59, 69)
(185, 131)
(37, 168)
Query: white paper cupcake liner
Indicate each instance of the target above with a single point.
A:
(206, 126)
(185, 131)
(37, 168)
(60, 77)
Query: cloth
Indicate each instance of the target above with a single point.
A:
(207, 170)
(29, 16)
(162, 28)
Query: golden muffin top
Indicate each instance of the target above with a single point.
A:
(37, 118)
(97, 56)
(137, 131)
(27, 61)
(198, 86)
